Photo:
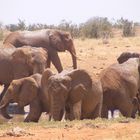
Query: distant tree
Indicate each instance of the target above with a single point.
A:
(11, 27)
(95, 27)
(127, 27)
(69, 27)
(21, 25)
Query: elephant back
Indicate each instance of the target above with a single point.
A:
(80, 76)
(127, 55)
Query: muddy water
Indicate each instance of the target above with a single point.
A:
(16, 117)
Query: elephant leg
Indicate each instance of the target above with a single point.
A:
(3, 92)
(68, 112)
(77, 110)
(104, 113)
(33, 116)
(56, 60)
(97, 111)
(35, 112)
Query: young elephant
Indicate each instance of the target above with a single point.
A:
(74, 90)
(26, 91)
(120, 84)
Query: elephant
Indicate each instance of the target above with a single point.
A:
(21, 62)
(122, 58)
(26, 91)
(72, 93)
(52, 40)
(120, 83)
(126, 55)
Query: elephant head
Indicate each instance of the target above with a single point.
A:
(66, 87)
(22, 91)
(126, 55)
(29, 61)
(62, 41)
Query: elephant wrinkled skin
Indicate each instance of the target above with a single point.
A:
(120, 83)
(52, 40)
(73, 93)
(26, 91)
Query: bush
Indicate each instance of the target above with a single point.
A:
(127, 27)
(96, 27)
(14, 27)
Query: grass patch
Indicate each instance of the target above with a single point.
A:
(97, 123)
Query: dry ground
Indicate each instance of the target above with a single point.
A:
(93, 56)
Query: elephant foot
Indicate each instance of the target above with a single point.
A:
(30, 120)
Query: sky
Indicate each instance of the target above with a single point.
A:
(77, 11)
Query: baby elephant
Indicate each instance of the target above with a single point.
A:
(74, 92)
(26, 91)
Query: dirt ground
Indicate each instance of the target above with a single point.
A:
(93, 56)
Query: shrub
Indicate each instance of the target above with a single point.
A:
(96, 27)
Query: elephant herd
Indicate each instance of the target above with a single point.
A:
(25, 60)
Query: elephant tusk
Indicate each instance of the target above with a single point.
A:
(2, 106)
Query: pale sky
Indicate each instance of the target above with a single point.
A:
(77, 11)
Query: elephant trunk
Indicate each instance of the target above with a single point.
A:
(57, 112)
(74, 57)
(3, 107)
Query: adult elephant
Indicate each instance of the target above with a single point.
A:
(26, 91)
(21, 62)
(74, 91)
(53, 40)
(120, 83)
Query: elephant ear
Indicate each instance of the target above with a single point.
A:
(68, 41)
(66, 36)
(56, 40)
(28, 92)
(77, 93)
(80, 76)
(22, 55)
(45, 76)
